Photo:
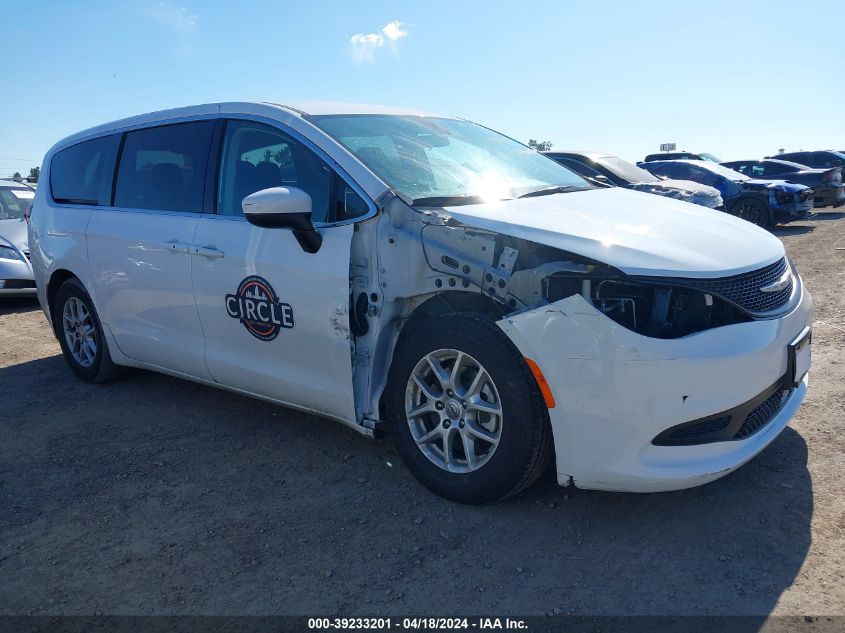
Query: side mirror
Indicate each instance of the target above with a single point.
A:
(284, 208)
(602, 179)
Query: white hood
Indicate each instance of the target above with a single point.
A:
(638, 233)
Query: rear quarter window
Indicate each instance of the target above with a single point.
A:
(81, 173)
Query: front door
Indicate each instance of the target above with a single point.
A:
(275, 317)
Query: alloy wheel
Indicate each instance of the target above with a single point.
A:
(453, 410)
(80, 335)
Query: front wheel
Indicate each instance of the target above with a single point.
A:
(468, 418)
(753, 211)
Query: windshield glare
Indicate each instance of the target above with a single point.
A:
(15, 202)
(625, 170)
(428, 157)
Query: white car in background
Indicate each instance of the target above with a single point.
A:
(394, 269)
(15, 272)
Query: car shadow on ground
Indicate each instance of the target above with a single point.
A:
(156, 495)
(18, 305)
(829, 215)
(793, 229)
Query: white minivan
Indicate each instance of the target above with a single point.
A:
(395, 269)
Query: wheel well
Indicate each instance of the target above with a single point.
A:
(457, 301)
(759, 198)
(448, 302)
(56, 280)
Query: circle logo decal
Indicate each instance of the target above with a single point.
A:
(256, 305)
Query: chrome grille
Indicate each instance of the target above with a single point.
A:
(744, 290)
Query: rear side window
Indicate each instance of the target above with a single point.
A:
(163, 168)
(81, 174)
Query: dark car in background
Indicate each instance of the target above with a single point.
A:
(605, 169)
(763, 202)
(681, 156)
(823, 158)
(826, 183)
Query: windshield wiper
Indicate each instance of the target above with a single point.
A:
(446, 201)
(547, 191)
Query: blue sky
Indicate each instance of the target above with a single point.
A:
(739, 79)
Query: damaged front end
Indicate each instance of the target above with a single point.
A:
(788, 201)
(626, 354)
(518, 275)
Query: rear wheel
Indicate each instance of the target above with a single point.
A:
(81, 335)
(753, 211)
(468, 418)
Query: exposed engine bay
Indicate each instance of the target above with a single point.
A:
(518, 274)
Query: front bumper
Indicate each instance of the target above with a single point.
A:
(799, 209)
(16, 278)
(829, 197)
(617, 390)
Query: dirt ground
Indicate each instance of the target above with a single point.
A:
(154, 495)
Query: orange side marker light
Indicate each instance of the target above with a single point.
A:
(542, 383)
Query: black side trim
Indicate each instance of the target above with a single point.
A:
(212, 171)
(725, 425)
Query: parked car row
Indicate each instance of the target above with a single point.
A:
(766, 192)
(763, 202)
(826, 183)
(606, 170)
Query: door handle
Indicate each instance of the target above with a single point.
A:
(177, 246)
(211, 252)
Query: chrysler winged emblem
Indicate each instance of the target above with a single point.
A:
(780, 284)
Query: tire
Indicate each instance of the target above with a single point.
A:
(77, 325)
(522, 432)
(753, 211)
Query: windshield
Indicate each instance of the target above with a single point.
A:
(15, 202)
(429, 160)
(709, 157)
(625, 170)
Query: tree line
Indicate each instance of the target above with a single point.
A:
(34, 173)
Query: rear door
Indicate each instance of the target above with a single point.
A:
(275, 317)
(140, 247)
